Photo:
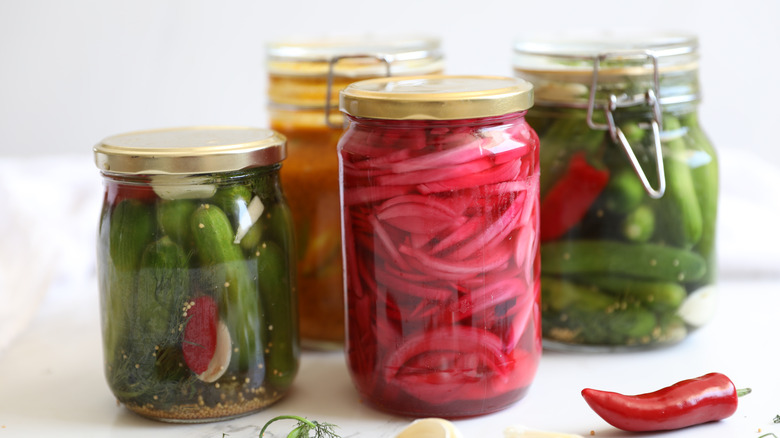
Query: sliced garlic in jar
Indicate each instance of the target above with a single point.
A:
(248, 217)
(700, 306)
(219, 362)
(170, 192)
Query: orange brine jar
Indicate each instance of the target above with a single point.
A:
(305, 77)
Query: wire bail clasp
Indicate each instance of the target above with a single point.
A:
(650, 98)
(386, 59)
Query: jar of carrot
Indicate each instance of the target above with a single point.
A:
(440, 201)
(305, 77)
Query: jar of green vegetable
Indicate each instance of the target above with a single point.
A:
(440, 201)
(196, 272)
(629, 189)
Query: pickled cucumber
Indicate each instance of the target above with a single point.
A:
(240, 306)
(644, 261)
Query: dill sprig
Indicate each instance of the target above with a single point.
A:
(304, 427)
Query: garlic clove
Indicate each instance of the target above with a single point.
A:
(166, 190)
(247, 217)
(700, 306)
(430, 428)
(219, 362)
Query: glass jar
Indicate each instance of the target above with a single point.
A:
(195, 272)
(305, 77)
(629, 190)
(440, 202)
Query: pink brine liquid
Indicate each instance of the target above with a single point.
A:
(441, 225)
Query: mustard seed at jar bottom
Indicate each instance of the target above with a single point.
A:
(195, 270)
(629, 189)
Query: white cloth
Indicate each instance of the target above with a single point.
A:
(49, 216)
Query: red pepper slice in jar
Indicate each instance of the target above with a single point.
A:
(200, 334)
(711, 397)
(571, 196)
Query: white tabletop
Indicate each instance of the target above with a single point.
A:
(51, 374)
(52, 384)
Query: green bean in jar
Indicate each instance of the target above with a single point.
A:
(629, 190)
(196, 272)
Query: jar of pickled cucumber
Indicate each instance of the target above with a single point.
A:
(195, 269)
(305, 77)
(440, 201)
(629, 189)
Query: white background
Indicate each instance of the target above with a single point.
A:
(74, 72)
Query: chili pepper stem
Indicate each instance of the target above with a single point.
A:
(743, 391)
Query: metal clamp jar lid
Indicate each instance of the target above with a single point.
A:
(436, 97)
(329, 64)
(606, 72)
(190, 150)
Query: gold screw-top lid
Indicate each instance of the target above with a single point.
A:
(358, 56)
(190, 150)
(440, 97)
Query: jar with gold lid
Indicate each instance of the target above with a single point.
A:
(440, 202)
(305, 77)
(195, 270)
(629, 188)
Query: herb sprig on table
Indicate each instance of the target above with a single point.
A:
(304, 427)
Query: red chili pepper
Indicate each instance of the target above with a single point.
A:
(711, 397)
(571, 196)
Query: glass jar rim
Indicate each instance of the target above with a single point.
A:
(354, 55)
(436, 97)
(618, 53)
(190, 150)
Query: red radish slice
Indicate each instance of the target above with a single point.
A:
(200, 334)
